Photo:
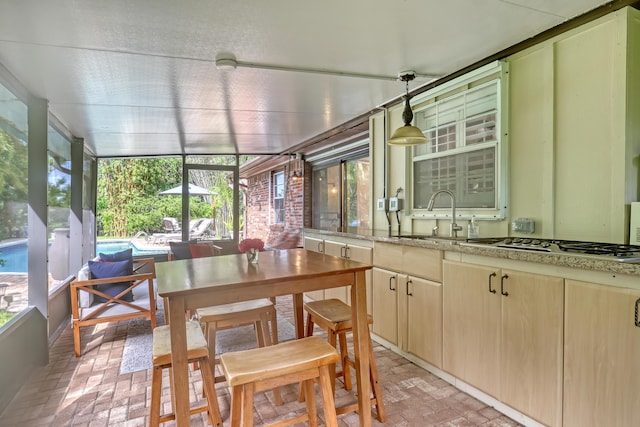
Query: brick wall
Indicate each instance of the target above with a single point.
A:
(259, 220)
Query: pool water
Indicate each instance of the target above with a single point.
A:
(110, 247)
(15, 254)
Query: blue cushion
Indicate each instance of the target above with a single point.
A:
(102, 270)
(125, 255)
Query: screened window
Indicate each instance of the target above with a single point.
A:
(14, 227)
(278, 197)
(58, 204)
(463, 149)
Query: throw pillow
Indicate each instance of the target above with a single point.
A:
(201, 250)
(125, 255)
(181, 250)
(103, 270)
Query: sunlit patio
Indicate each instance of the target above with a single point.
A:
(90, 391)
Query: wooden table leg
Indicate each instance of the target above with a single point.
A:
(298, 315)
(180, 375)
(361, 346)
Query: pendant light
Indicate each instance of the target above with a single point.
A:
(407, 134)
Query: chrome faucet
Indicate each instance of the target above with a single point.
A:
(453, 228)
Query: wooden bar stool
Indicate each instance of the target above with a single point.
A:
(197, 351)
(334, 316)
(260, 369)
(259, 312)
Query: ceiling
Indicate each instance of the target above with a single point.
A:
(139, 77)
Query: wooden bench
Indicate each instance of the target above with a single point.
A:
(84, 312)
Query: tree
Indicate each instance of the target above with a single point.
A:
(13, 184)
(128, 199)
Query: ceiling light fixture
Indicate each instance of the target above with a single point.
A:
(407, 134)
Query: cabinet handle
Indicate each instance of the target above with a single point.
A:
(344, 252)
(320, 249)
(637, 303)
(493, 291)
(506, 294)
(390, 279)
(408, 283)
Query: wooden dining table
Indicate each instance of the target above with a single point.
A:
(189, 284)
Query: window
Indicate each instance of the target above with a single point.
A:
(13, 205)
(464, 150)
(341, 194)
(58, 204)
(278, 197)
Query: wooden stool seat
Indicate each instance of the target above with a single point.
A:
(213, 313)
(197, 351)
(334, 316)
(333, 313)
(260, 369)
(258, 312)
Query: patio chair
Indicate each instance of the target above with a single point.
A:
(171, 225)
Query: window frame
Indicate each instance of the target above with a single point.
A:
(493, 73)
(274, 193)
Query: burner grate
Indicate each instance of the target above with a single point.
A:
(594, 248)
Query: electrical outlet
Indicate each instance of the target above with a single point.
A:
(523, 225)
(395, 204)
(381, 204)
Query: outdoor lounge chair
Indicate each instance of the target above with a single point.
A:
(171, 225)
(202, 229)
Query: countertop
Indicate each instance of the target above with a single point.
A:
(566, 260)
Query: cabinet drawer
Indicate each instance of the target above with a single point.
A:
(420, 262)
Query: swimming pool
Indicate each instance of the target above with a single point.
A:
(14, 254)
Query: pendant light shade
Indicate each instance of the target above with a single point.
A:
(407, 134)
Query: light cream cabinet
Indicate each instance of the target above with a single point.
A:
(407, 312)
(315, 245)
(407, 299)
(421, 326)
(503, 334)
(411, 260)
(602, 356)
(385, 304)
(346, 250)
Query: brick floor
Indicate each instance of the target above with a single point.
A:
(88, 391)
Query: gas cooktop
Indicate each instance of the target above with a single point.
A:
(612, 251)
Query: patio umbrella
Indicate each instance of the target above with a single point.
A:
(194, 190)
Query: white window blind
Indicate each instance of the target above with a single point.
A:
(464, 148)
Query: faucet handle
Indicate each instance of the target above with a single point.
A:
(434, 230)
(453, 229)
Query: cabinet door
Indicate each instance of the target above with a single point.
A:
(471, 325)
(531, 345)
(424, 319)
(385, 304)
(336, 249)
(315, 245)
(365, 255)
(602, 355)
